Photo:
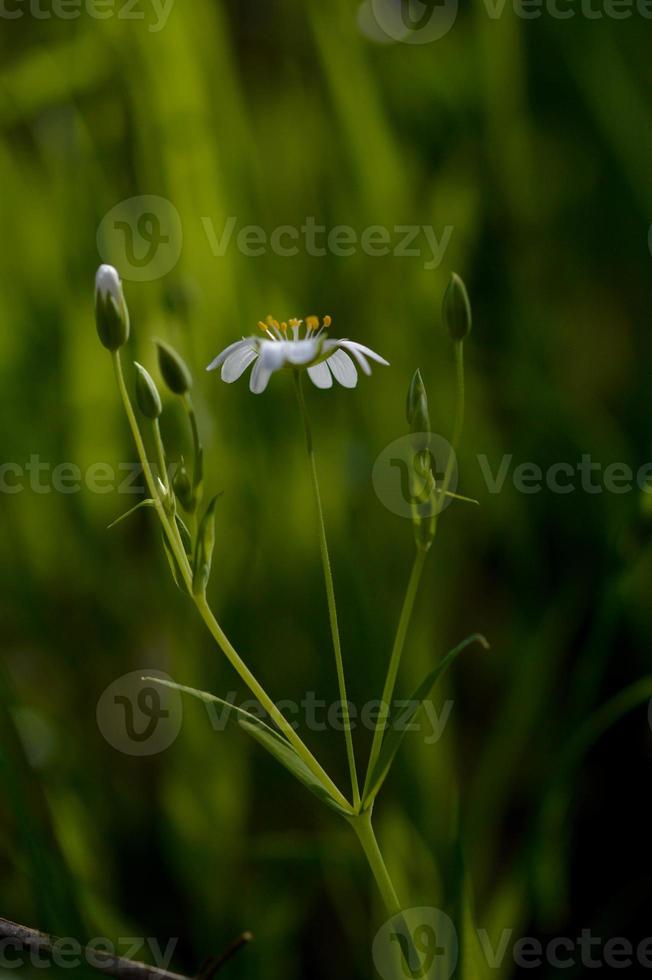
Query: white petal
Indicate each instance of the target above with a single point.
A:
(272, 354)
(320, 375)
(343, 369)
(259, 377)
(237, 362)
(301, 351)
(359, 351)
(225, 353)
(107, 280)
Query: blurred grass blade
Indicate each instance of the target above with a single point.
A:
(398, 726)
(265, 735)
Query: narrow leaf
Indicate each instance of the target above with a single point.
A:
(275, 743)
(204, 549)
(395, 732)
(174, 565)
(143, 503)
(284, 753)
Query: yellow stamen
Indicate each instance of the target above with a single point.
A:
(326, 322)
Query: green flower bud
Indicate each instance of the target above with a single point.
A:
(147, 396)
(456, 309)
(111, 313)
(173, 368)
(204, 551)
(416, 407)
(183, 488)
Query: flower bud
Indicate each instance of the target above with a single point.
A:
(204, 551)
(147, 396)
(416, 407)
(174, 369)
(111, 313)
(183, 488)
(456, 309)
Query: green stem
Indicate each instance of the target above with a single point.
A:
(458, 425)
(365, 833)
(259, 692)
(330, 593)
(160, 452)
(417, 569)
(395, 659)
(206, 613)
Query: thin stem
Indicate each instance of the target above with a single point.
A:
(160, 452)
(458, 425)
(170, 529)
(330, 593)
(417, 570)
(395, 658)
(365, 833)
(259, 692)
(206, 613)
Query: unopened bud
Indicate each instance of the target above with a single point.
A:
(204, 552)
(416, 406)
(174, 369)
(183, 488)
(456, 309)
(111, 313)
(147, 396)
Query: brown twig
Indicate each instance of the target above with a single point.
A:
(115, 966)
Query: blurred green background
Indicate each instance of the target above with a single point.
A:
(531, 139)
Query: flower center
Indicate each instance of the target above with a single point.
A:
(313, 327)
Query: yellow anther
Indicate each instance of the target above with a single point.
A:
(312, 322)
(284, 327)
(262, 326)
(326, 322)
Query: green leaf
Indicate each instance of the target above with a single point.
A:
(204, 549)
(398, 727)
(186, 537)
(283, 752)
(143, 503)
(275, 743)
(174, 565)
